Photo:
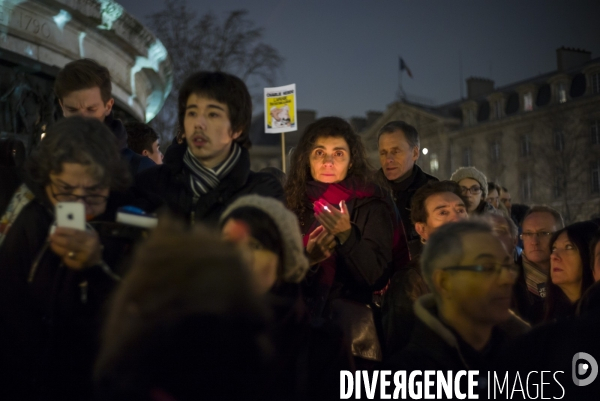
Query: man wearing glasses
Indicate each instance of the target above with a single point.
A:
(466, 319)
(529, 292)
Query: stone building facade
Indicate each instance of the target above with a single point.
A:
(539, 137)
(37, 38)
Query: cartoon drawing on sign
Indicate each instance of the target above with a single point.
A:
(280, 117)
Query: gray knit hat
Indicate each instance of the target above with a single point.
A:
(295, 263)
(471, 172)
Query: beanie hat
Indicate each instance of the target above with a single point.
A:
(471, 172)
(295, 263)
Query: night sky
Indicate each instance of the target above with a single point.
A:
(343, 55)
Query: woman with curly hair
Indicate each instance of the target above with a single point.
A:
(347, 222)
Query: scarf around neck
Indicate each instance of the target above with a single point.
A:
(204, 179)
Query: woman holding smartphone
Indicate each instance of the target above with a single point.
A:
(54, 280)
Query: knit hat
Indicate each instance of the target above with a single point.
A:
(295, 263)
(471, 172)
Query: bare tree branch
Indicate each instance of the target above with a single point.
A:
(196, 43)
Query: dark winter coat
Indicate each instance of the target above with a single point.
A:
(170, 182)
(308, 354)
(362, 261)
(403, 193)
(436, 346)
(526, 304)
(554, 347)
(50, 326)
(398, 317)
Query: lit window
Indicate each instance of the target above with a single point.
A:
(526, 187)
(595, 132)
(498, 109)
(596, 83)
(528, 101)
(434, 165)
(466, 157)
(559, 141)
(562, 93)
(595, 175)
(525, 146)
(495, 151)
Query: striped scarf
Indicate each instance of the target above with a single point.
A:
(202, 179)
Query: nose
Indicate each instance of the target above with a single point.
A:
(200, 122)
(554, 255)
(328, 159)
(389, 158)
(455, 215)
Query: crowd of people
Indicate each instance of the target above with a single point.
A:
(261, 285)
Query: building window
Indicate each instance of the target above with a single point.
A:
(498, 109)
(528, 101)
(559, 141)
(562, 93)
(596, 83)
(495, 151)
(466, 157)
(559, 183)
(595, 175)
(525, 146)
(526, 187)
(595, 132)
(434, 165)
(471, 117)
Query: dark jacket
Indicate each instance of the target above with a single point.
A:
(50, 324)
(170, 182)
(554, 346)
(362, 261)
(137, 163)
(526, 304)
(309, 354)
(436, 346)
(398, 317)
(403, 193)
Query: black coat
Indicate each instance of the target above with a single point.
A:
(362, 261)
(525, 303)
(170, 183)
(308, 354)
(50, 326)
(403, 195)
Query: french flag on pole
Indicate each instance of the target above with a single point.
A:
(404, 67)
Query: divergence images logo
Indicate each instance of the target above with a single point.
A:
(582, 364)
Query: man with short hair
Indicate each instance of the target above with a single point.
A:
(539, 224)
(83, 88)
(210, 166)
(433, 205)
(143, 140)
(465, 321)
(505, 199)
(398, 145)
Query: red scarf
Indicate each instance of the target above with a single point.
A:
(345, 190)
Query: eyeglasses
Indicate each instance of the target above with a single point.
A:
(474, 190)
(91, 200)
(488, 268)
(539, 234)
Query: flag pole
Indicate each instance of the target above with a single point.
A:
(283, 152)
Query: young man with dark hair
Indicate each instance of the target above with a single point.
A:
(143, 140)
(209, 167)
(83, 88)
